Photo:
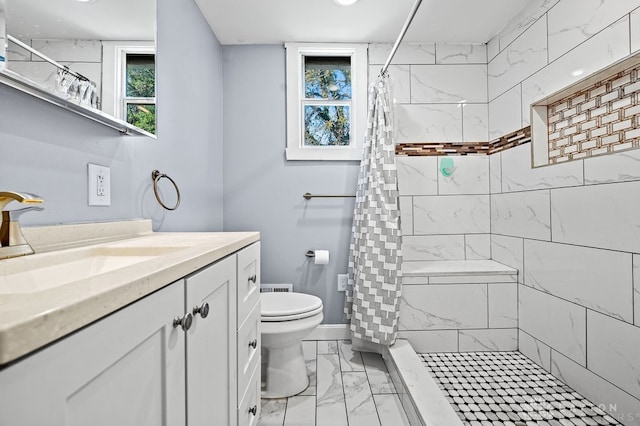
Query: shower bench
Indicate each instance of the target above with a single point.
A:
(459, 306)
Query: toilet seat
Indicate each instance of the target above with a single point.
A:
(289, 306)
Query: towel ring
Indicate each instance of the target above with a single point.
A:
(156, 176)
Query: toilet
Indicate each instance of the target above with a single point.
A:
(287, 318)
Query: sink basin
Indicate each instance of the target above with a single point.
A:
(49, 270)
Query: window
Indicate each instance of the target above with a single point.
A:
(326, 101)
(139, 100)
(129, 88)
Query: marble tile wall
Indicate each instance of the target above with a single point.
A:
(440, 90)
(570, 229)
(457, 313)
(459, 305)
(82, 56)
(445, 217)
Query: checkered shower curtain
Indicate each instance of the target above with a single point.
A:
(373, 292)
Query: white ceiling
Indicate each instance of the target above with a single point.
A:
(101, 19)
(271, 21)
(277, 21)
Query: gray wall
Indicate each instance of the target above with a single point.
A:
(45, 149)
(263, 191)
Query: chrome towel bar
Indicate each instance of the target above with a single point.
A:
(309, 196)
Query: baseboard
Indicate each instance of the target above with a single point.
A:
(330, 332)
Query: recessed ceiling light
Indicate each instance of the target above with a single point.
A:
(86, 1)
(345, 2)
(577, 73)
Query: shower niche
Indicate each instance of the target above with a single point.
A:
(597, 115)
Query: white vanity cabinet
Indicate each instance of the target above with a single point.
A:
(138, 366)
(126, 369)
(248, 331)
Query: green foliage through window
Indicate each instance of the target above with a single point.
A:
(327, 78)
(327, 93)
(142, 116)
(326, 125)
(141, 76)
(141, 91)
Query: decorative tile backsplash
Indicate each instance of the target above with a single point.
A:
(510, 140)
(599, 119)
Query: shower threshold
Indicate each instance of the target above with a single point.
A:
(486, 388)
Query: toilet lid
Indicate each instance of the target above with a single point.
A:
(289, 304)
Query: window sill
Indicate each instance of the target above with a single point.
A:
(323, 153)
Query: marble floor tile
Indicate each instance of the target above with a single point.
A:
(390, 410)
(301, 411)
(309, 349)
(350, 360)
(361, 408)
(272, 412)
(327, 347)
(379, 377)
(330, 409)
(347, 388)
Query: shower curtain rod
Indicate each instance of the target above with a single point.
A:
(407, 23)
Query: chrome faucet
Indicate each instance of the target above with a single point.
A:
(12, 241)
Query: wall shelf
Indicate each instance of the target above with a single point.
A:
(25, 85)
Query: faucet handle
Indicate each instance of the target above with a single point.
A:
(14, 215)
(25, 197)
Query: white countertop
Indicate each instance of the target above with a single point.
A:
(454, 267)
(32, 315)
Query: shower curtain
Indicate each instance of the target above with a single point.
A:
(374, 280)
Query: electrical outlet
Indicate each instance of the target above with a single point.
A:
(99, 185)
(342, 282)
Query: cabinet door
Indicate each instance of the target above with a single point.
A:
(211, 343)
(249, 408)
(126, 369)
(249, 344)
(248, 280)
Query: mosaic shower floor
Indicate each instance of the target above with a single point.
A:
(506, 388)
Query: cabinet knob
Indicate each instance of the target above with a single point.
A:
(253, 278)
(202, 310)
(254, 410)
(184, 322)
(254, 343)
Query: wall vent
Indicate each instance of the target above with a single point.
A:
(276, 288)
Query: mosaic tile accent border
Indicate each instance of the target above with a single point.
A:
(507, 388)
(511, 140)
(600, 119)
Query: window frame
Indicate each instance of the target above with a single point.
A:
(296, 101)
(114, 72)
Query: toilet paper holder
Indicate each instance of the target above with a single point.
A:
(320, 257)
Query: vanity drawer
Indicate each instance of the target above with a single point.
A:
(249, 344)
(249, 408)
(248, 280)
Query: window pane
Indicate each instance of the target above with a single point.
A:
(142, 116)
(141, 76)
(327, 77)
(326, 125)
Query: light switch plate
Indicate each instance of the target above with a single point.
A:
(99, 184)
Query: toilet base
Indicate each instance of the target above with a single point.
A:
(286, 372)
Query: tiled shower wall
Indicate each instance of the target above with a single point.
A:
(440, 94)
(571, 229)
